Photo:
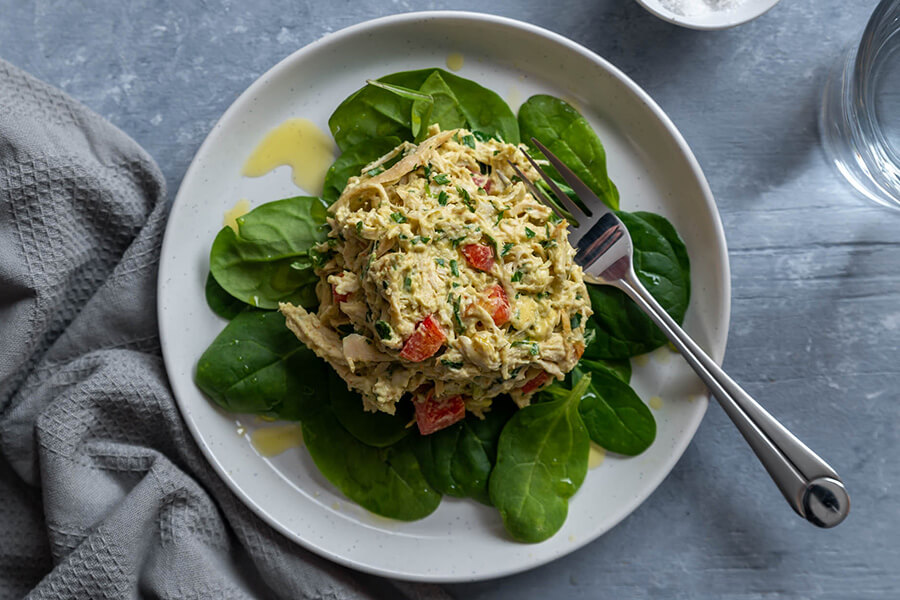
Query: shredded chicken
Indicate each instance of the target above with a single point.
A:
(399, 254)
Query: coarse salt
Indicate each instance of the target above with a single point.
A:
(695, 8)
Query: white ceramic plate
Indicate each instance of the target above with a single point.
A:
(650, 163)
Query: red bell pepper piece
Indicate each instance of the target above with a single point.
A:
(479, 256)
(433, 414)
(424, 341)
(535, 383)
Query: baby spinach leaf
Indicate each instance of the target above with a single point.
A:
(221, 302)
(570, 137)
(542, 460)
(350, 163)
(373, 112)
(457, 460)
(485, 112)
(621, 369)
(268, 261)
(377, 429)
(386, 481)
(621, 329)
(441, 107)
(612, 412)
(256, 365)
(667, 230)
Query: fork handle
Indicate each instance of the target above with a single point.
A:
(808, 483)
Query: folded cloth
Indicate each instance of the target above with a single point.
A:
(103, 492)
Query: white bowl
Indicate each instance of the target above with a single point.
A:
(721, 19)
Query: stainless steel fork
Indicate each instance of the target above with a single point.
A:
(604, 249)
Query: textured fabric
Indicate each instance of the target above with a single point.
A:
(103, 493)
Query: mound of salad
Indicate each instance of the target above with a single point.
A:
(424, 319)
(446, 282)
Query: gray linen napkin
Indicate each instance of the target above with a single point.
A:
(103, 493)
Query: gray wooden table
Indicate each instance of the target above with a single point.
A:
(816, 306)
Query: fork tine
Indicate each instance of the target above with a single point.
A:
(584, 193)
(537, 193)
(564, 199)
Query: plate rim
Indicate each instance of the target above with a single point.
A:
(717, 353)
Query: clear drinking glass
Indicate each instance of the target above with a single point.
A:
(860, 114)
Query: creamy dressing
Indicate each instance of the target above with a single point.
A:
(299, 144)
(455, 61)
(272, 441)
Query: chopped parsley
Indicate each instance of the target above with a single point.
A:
(506, 248)
(529, 233)
(467, 200)
(575, 321)
(533, 349)
(407, 283)
(454, 267)
(456, 241)
(399, 217)
(319, 258)
(451, 364)
(469, 140)
(439, 262)
(441, 179)
(359, 226)
(383, 329)
(375, 171)
(499, 217)
(459, 325)
(420, 239)
(517, 276)
(442, 198)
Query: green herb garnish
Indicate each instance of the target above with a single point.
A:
(506, 248)
(441, 179)
(399, 217)
(575, 321)
(469, 140)
(451, 364)
(454, 267)
(383, 329)
(517, 276)
(442, 198)
(467, 200)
